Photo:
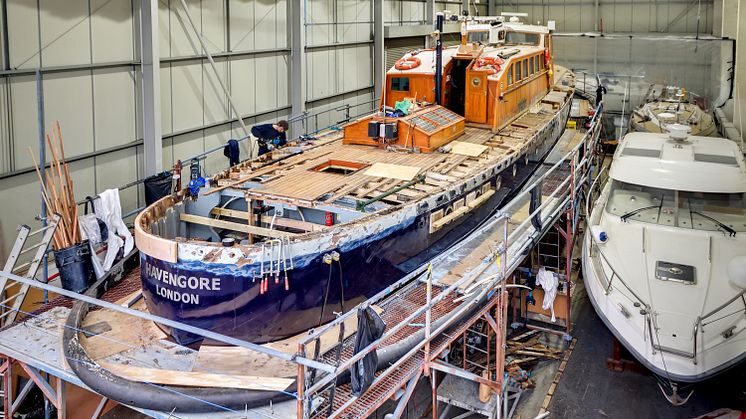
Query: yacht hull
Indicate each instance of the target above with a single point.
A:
(635, 337)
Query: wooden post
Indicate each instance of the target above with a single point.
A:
(489, 334)
(500, 355)
(61, 399)
(7, 376)
(434, 394)
(250, 218)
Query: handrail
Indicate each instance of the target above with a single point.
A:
(722, 306)
(615, 273)
(569, 156)
(589, 198)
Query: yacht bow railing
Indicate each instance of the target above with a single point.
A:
(700, 324)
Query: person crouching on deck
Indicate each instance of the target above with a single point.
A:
(270, 136)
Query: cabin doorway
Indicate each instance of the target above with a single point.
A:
(476, 97)
(456, 86)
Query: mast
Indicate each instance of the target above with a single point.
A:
(439, 18)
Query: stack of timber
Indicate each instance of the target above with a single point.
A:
(57, 191)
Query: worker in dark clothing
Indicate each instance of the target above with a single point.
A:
(270, 136)
(600, 92)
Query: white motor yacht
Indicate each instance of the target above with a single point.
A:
(664, 255)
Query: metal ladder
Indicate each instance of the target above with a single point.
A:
(11, 304)
(549, 250)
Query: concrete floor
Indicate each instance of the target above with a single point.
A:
(588, 389)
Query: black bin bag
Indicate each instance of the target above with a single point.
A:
(157, 186)
(370, 327)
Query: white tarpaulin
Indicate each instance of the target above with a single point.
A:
(109, 210)
(548, 281)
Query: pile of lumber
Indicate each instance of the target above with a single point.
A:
(527, 344)
(525, 350)
(57, 191)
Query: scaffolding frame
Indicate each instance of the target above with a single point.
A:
(423, 358)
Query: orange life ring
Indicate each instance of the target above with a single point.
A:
(407, 63)
(547, 57)
(489, 64)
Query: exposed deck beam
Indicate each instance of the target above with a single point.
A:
(244, 228)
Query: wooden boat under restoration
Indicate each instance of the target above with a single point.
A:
(318, 226)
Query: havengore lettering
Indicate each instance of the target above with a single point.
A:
(182, 281)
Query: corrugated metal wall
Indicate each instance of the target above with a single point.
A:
(339, 35)
(641, 16)
(95, 88)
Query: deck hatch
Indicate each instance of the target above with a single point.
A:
(714, 158)
(667, 271)
(341, 167)
(641, 152)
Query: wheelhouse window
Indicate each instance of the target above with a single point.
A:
(510, 75)
(522, 38)
(400, 84)
(694, 210)
(525, 68)
(531, 65)
(481, 37)
(518, 71)
(536, 63)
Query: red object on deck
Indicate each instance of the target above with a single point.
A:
(329, 218)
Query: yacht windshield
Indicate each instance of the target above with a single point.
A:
(696, 210)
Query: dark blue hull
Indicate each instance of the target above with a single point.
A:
(228, 300)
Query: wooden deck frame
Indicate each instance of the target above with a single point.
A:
(243, 228)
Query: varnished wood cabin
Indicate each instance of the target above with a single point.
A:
(491, 78)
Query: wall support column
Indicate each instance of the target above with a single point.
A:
(298, 59)
(151, 88)
(491, 7)
(378, 49)
(430, 20)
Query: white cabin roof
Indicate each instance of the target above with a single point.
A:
(699, 164)
(523, 27)
(427, 61)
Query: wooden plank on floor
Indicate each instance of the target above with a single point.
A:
(126, 332)
(198, 379)
(392, 171)
(467, 149)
